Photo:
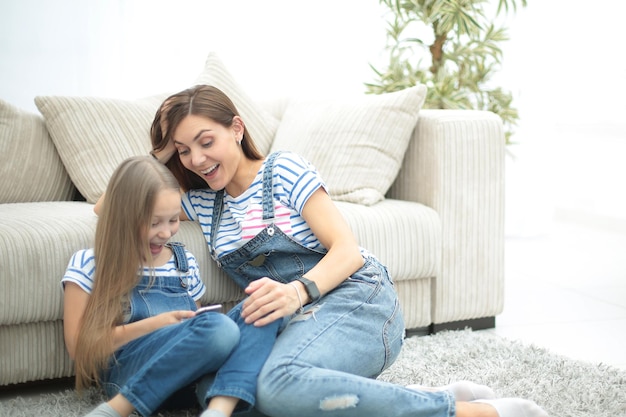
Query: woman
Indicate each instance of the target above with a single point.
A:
(271, 225)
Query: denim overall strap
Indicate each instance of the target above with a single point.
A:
(268, 203)
(268, 200)
(215, 221)
(180, 258)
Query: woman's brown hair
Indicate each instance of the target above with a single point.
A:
(121, 248)
(201, 100)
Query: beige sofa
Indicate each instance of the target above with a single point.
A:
(428, 202)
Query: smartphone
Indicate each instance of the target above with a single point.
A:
(213, 307)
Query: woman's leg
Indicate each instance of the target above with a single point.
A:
(148, 370)
(325, 361)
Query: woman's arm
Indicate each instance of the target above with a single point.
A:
(98, 207)
(74, 306)
(342, 260)
(331, 229)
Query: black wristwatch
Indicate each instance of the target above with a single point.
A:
(311, 288)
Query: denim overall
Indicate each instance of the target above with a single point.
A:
(202, 353)
(317, 365)
(270, 253)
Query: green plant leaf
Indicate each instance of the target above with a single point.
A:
(458, 66)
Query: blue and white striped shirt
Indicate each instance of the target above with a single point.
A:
(82, 266)
(294, 180)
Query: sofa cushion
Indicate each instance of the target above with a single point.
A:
(36, 243)
(31, 169)
(93, 135)
(261, 124)
(404, 235)
(357, 143)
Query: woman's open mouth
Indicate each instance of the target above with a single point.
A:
(211, 171)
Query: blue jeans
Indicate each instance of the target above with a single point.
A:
(325, 361)
(238, 376)
(151, 369)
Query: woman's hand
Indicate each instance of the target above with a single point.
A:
(165, 154)
(270, 300)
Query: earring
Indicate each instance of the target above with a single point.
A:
(239, 141)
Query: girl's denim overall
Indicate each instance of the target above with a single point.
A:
(163, 366)
(317, 365)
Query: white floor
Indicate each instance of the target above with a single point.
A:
(566, 291)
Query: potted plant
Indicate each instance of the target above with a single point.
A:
(452, 47)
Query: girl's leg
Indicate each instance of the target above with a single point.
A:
(237, 377)
(148, 370)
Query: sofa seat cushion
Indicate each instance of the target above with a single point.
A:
(36, 243)
(404, 235)
(38, 239)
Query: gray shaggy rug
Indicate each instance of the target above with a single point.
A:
(562, 386)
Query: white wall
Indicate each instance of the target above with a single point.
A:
(563, 64)
(132, 48)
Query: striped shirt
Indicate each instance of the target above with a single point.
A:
(82, 266)
(294, 180)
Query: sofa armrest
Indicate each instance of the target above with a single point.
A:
(455, 165)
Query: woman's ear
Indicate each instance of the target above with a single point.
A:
(238, 128)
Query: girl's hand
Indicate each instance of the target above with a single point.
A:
(269, 300)
(125, 333)
(175, 317)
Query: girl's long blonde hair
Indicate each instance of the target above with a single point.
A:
(121, 248)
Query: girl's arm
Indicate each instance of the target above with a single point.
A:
(75, 303)
(342, 260)
(125, 333)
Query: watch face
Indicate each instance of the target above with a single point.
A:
(311, 288)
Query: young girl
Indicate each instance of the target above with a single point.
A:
(130, 320)
(271, 225)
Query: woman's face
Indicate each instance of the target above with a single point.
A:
(209, 149)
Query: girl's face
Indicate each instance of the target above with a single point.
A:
(210, 149)
(164, 224)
